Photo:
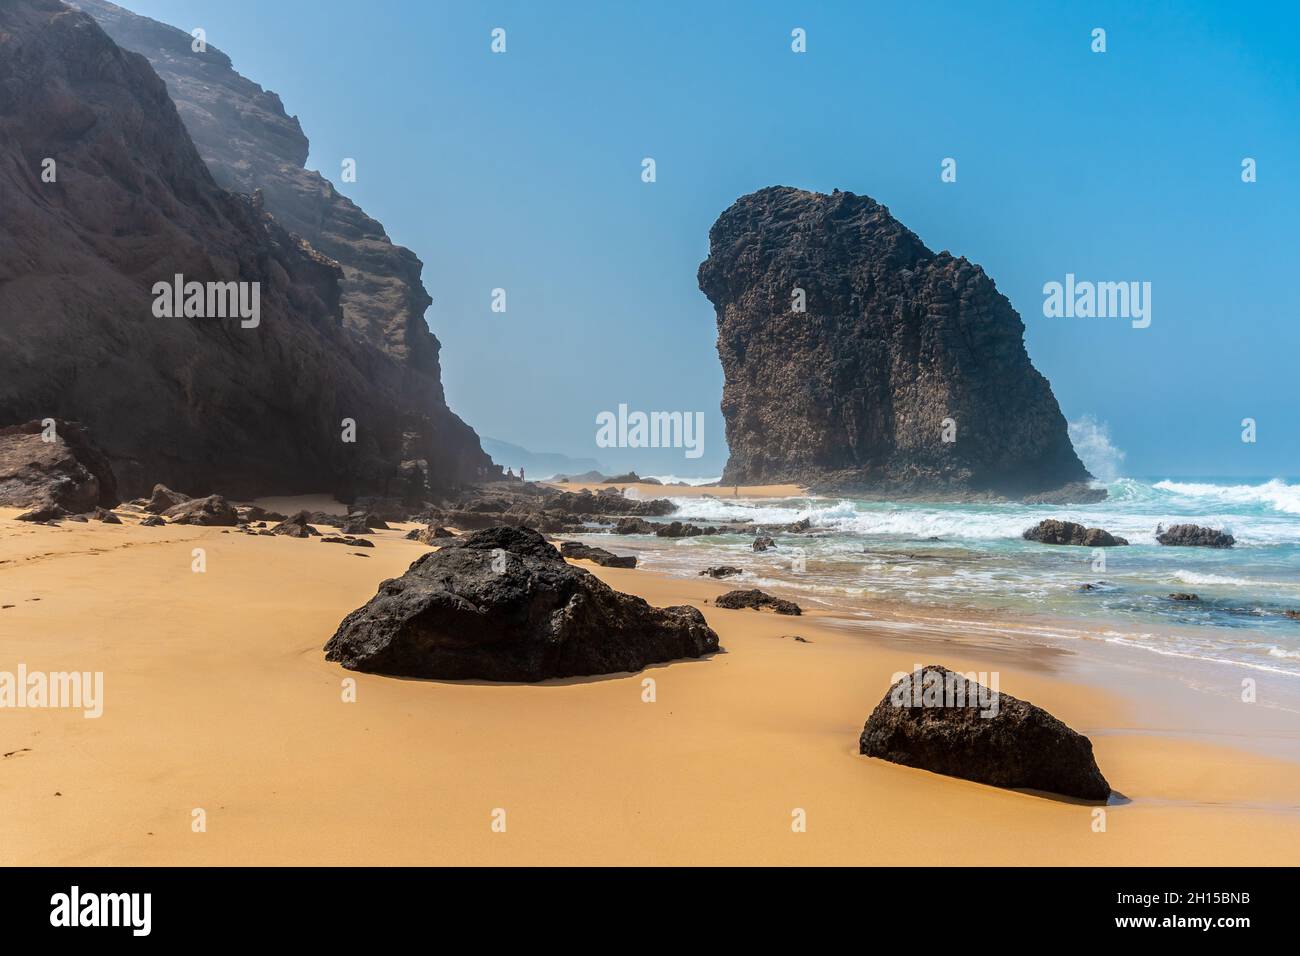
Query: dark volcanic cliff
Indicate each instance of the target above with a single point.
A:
(197, 403)
(853, 392)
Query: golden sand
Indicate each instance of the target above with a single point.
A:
(218, 697)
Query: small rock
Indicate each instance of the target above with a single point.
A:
(756, 599)
(1183, 596)
(1053, 531)
(1194, 536)
(763, 542)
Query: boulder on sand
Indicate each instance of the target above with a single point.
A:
(1194, 536)
(213, 510)
(67, 471)
(938, 720)
(1053, 531)
(502, 604)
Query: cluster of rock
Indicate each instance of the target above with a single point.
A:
(503, 604)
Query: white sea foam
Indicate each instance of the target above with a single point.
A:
(1275, 494)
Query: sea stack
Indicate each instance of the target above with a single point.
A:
(855, 359)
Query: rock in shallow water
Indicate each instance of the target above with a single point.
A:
(1193, 535)
(502, 604)
(938, 720)
(1053, 531)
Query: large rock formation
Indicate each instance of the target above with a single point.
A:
(249, 143)
(854, 392)
(502, 604)
(938, 720)
(201, 404)
(53, 464)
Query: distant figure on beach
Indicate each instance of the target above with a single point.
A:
(735, 491)
(521, 473)
(510, 473)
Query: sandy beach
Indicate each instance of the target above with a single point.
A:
(217, 697)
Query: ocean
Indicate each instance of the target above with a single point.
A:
(962, 566)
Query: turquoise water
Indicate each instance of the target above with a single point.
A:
(950, 558)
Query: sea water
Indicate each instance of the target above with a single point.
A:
(963, 564)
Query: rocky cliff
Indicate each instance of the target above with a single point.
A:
(198, 404)
(102, 195)
(249, 143)
(905, 374)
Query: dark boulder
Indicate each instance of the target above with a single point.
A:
(213, 510)
(153, 521)
(1194, 536)
(756, 599)
(502, 604)
(1053, 531)
(106, 516)
(355, 524)
(938, 720)
(1184, 596)
(763, 542)
(67, 471)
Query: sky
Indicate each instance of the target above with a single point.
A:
(522, 170)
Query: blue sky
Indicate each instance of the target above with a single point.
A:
(522, 171)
